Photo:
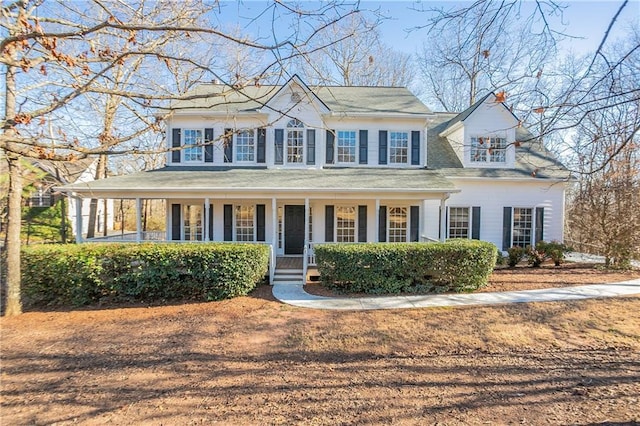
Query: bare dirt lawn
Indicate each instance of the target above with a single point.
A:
(252, 360)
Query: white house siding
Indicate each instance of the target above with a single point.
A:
(317, 206)
(313, 117)
(492, 195)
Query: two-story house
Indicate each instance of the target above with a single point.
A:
(292, 165)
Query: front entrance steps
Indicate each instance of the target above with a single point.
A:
(289, 270)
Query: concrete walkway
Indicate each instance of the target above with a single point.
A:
(294, 294)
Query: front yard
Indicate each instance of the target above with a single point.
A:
(252, 360)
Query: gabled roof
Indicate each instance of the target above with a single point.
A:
(532, 158)
(220, 98)
(461, 117)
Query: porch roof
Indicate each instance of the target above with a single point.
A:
(182, 181)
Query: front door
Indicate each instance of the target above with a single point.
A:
(293, 229)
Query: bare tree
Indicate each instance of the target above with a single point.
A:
(56, 55)
(604, 209)
(359, 58)
(486, 47)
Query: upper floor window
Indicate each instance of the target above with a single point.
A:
(398, 147)
(488, 149)
(245, 146)
(192, 140)
(346, 146)
(397, 227)
(295, 141)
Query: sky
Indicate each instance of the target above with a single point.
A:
(585, 20)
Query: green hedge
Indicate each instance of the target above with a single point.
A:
(88, 273)
(378, 268)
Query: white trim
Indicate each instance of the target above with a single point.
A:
(234, 234)
(356, 148)
(182, 144)
(335, 221)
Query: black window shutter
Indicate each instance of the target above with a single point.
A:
(328, 224)
(415, 147)
(311, 146)
(506, 228)
(539, 224)
(440, 223)
(364, 146)
(261, 156)
(210, 222)
(382, 147)
(176, 220)
(475, 223)
(260, 228)
(279, 142)
(362, 224)
(331, 139)
(175, 143)
(382, 224)
(414, 227)
(208, 145)
(446, 221)
(228, 145)
(228, 222)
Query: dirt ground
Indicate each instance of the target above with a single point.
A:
(253, 360)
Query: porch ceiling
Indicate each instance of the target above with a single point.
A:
(182, 181)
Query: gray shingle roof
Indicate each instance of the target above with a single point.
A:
(183, 180)
(339, 99)
(532, 159)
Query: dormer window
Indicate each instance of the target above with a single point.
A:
(488, 149)
(295, 141)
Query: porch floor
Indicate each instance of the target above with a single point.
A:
(289, 262)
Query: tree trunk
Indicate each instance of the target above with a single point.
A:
(93, 205)
(14, 302)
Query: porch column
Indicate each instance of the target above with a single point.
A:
(274, 239)
(443, 217)
(138, 219)
(78, 219)
(377, 224)
(305, 251)
(207, 225)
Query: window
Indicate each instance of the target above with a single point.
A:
(245, 145)
(345, 224)
(193, 222)
(398, 147)
(522, 226)
(40, 198)
(458, 222)
(346, 146)
(245, 224)
(488, 149)
(295, 141)
(397, 228)
(193, 141)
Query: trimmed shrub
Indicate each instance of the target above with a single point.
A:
(536, 255)
(557, 251)
(88, 273)
(515, 255)
(456, 265)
